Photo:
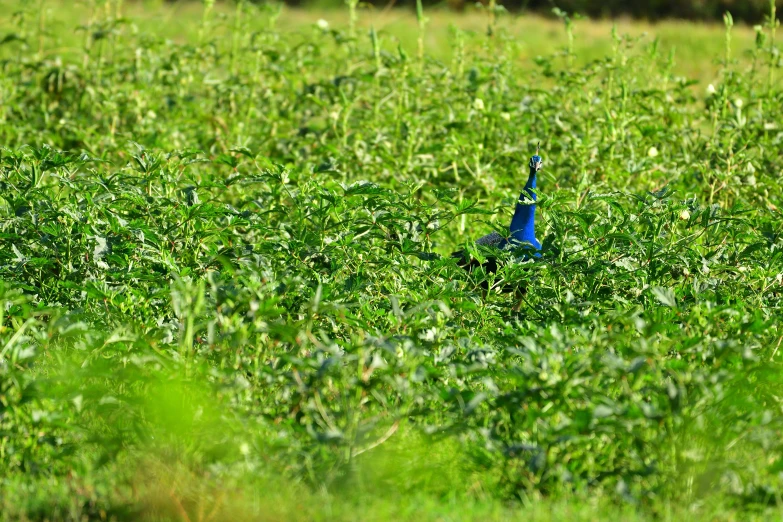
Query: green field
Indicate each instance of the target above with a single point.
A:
(226, 289)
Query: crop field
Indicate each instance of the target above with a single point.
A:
(226, 285)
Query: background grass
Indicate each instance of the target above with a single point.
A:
(226, 289)
(698, 46)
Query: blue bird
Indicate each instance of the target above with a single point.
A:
(522, 231)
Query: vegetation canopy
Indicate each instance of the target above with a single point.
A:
(227, 294)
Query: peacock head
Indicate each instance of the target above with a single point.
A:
(536, 163)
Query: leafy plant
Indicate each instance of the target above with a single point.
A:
(229, 254)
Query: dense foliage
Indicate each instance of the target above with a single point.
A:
(232, 254)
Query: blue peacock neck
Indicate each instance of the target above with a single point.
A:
(523, 224)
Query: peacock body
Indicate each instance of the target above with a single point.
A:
(522, 233)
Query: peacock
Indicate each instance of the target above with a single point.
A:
(522, 233)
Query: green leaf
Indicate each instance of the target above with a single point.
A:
(665, 296)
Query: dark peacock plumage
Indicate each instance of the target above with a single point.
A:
(522, 235)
